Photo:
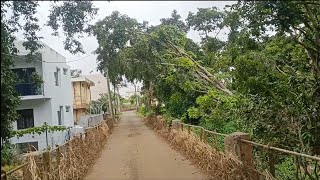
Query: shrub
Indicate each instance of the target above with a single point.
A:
(7, 154)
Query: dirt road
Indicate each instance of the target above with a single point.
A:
(135, 152)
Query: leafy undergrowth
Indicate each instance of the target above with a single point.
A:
(7, 168)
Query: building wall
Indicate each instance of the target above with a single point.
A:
(100, 85)
(42, 113)
(61, 95)
(46, 108)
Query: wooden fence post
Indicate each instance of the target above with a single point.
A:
(58, 152)
(205, 138)
(189, 129)
(201, 134)
(67, 151)
(163, 124)
(175, 124)
(46, 164)
(181, 126)
(242, 151)
(3, 175)
(271, 162)
(58, 156)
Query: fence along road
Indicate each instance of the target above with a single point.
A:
(136, 152)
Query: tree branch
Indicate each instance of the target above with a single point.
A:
(207, 74)
(280, 70)
(311, 16)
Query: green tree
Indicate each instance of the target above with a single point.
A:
(113, 33)
(301, 21)
(206, 20)
(175, 20)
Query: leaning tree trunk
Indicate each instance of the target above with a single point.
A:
(150, 95)
(202, 71)
(115, 98)
(109, 97)
(118, 99)
(135, 93)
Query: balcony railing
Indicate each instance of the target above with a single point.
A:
(80, 102)
(29, 89)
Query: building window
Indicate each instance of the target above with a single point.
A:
(60, 115)
(67, 108)
(25, 85)
(27, 147)
(57, 76)
(26, 119)
(65, 70)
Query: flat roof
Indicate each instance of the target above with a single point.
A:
(82, 79)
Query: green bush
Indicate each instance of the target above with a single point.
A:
(7, 154)
(286, 169)
(150, 113)
(144, 111)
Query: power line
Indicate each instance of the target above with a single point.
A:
(80, 59)
(51, 61)
(61, 40)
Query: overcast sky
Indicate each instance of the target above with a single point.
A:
(151, 11)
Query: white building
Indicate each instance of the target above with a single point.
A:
(100, 85)
(51, 103)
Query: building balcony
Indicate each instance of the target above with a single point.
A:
(80, 106)
(29, 91)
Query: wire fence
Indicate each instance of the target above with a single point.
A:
(276, 162)
(214, 139)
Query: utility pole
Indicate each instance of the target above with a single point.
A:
(109, 97)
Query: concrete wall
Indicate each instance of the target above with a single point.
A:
(77, 113)
(90, 120)
(42, 113)
(61, 95)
